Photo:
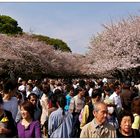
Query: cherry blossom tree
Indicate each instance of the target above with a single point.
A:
(115, 49)
(26, 56)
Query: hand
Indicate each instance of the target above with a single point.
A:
(44, 131)
(3, 130)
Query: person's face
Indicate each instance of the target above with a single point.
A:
(118, 90)
(82, 92)
(126, 124)
(28, 87)
(24, 83)
(1, 106)
(24, 113)
(71, 92)
(101, 114)
(33, 100)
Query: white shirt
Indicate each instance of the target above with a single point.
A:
(28, 93)
(22, 88)
(116, 99)
(44, 103)
(90, 92)
(138, 87)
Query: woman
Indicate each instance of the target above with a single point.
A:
(7, 124)
(112, 116)
(44, 103)
(69, 97)
(27, 127)
(125, 120)
(33, 98)
(87, 114)
(60, 122)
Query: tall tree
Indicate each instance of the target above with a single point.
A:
(9, 25)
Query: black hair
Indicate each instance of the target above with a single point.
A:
(32, 94)
(91, 84)
(28, 106)
(124, 113)
(53, 100)
(1, 100)
(30, 84)
(69, 88)
(46, 88)
(61, 100)
(82, 83)
(57, 92)
(116, 85)
(18, 95)
(79, 88)
(135, 105)
(96, 92)
(9, 86)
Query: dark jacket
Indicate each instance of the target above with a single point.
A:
(10, 124)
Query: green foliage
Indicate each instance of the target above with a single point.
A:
(56, 43)
(9, 26)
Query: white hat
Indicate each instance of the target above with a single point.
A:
(104, 80)
(19, 79)
(109, 102)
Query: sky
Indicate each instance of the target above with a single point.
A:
(73, 22)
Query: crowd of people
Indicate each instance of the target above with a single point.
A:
(76, 108)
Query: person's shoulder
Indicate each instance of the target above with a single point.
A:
(136, 133)
(74, 98)
(136, 116)
(113, 95)
(68, 96)
(8, 113)
(89, 126)
(68, 114)
(56, 112)
(19, 124)
(36, 122)
(14, 99)
(51, 110)
(86, 107)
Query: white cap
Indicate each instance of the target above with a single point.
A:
(104, 80)
(19, 78)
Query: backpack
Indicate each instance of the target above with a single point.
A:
(91, 116)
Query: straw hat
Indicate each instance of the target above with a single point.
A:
(109, 102)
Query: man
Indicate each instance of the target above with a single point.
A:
(92, 86)
(116, 96)
(76, 105)
(78, 101)
(127, 96)
(98, 127)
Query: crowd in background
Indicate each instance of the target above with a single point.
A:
(76, 108)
